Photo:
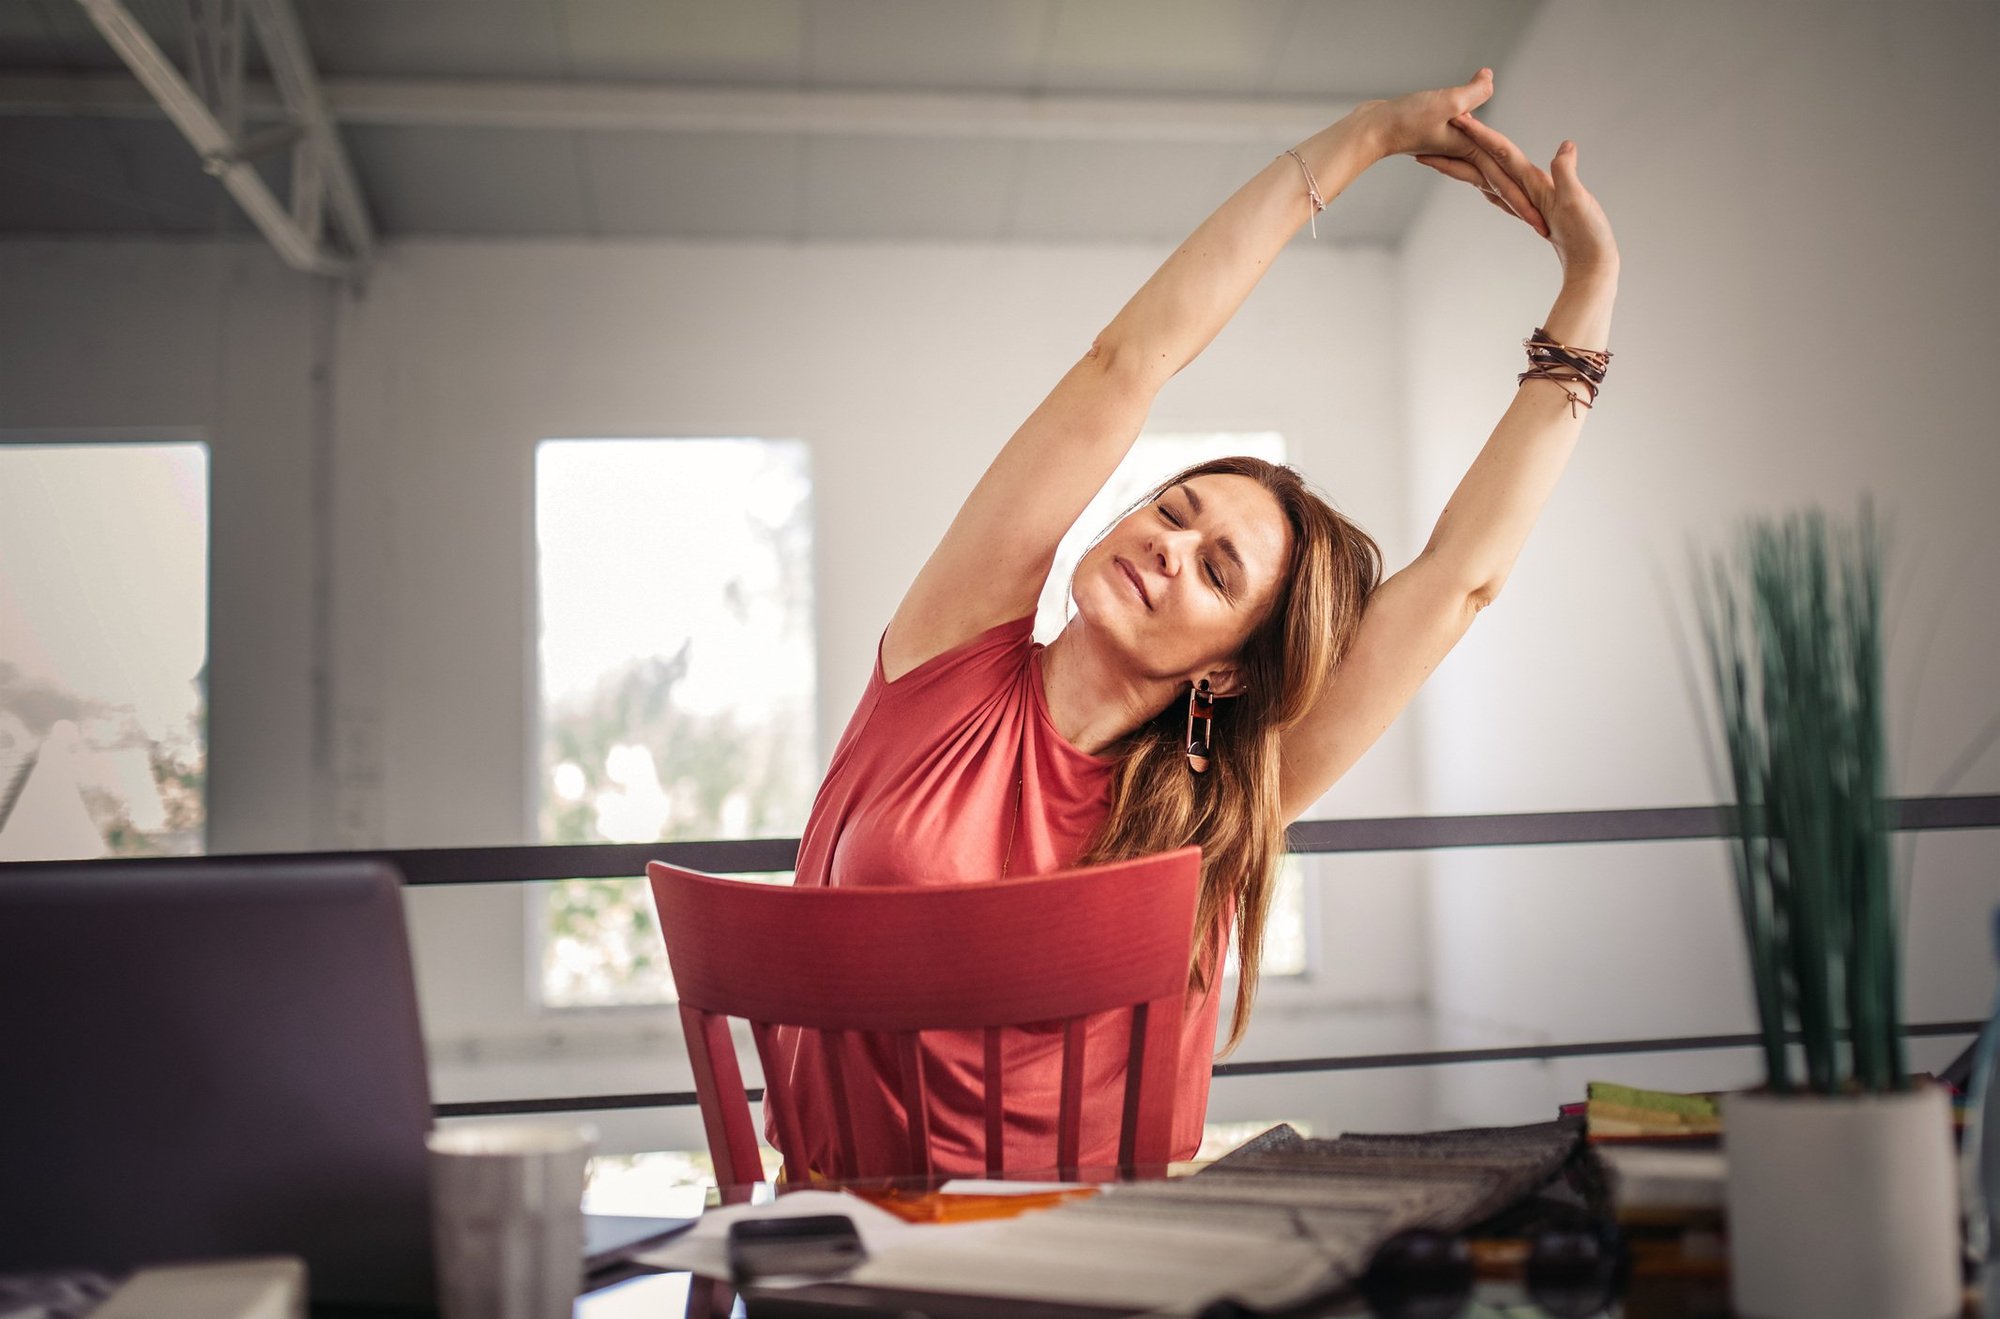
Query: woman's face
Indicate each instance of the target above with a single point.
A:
(1181, 583)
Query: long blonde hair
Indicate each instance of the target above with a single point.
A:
(1233, 811)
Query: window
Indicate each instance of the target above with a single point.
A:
(678, 684)
(103, 649)
(1152, 460)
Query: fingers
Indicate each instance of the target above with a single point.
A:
(1462, 170)
(1503, 151)
(1520, 181)
(1475, 92)
(1563, 168)
(1508, 189)
(1466, 172)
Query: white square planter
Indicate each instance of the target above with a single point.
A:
(1842, 1207)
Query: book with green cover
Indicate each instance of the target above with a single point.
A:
(1664, 1101)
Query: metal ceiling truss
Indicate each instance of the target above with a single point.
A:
(209, 106)
(631, 107)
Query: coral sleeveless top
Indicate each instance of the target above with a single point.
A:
(953, 774)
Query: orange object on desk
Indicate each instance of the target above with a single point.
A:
(948, 1207)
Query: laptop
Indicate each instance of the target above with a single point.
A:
(214, 1058)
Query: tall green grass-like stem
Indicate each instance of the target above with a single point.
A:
(1791, 615)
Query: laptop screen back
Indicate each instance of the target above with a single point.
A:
(213, 1058)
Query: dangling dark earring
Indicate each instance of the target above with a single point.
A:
(1201, 717)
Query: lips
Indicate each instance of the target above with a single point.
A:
(1137, 584)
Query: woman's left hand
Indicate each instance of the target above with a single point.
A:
(1426, 125)
(1576, 225)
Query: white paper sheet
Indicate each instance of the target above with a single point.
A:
(984, 1186)
(1050, 1255)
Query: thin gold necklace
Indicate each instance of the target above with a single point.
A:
(1020, 782)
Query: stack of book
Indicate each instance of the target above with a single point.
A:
(1661, 1154)
(1622, 1113)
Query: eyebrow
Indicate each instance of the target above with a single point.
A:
(1223, 543)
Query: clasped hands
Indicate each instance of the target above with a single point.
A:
(1438, 128)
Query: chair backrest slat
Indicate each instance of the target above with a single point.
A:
(1069, 1105)
(890, 962)
(836, 1083)
(718, 1085)
(995, 1079)
(916, 1101)
(1156, 1045)
(784, 1105)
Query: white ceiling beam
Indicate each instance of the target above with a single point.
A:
(211, 140)
(298, 87)
(445, 103)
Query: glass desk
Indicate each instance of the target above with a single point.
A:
(1662, 1282)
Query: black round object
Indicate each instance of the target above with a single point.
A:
(1419, 1274)
(1574, 1272)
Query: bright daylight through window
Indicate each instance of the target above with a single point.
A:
(103, 649)
(678, 685)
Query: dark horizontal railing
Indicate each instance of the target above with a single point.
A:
(514, 865)
(1360, 1062)
(427, 866)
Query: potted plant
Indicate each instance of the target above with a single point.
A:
(1841, 1194)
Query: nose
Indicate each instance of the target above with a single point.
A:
(1171, 547)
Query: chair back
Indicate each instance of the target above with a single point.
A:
(1051, 949)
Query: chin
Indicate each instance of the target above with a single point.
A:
(1106, 604)
(1104, 597)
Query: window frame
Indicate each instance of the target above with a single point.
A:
(132, 437)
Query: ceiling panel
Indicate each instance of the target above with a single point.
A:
(704, 186)
(907, 188)
(434, 38)
(926, 45)
(41, 34)
(57, 34)
(107, 176)
(1217, 47)
(483, 182)
(758, 43)
(1366, 48)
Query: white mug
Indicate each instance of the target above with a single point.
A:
(507, 1218)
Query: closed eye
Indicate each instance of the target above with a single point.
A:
(1174, 519)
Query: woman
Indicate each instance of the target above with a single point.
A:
(1233, 599)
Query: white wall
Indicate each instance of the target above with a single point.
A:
(903, 367)
(1805, 199)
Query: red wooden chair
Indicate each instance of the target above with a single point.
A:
(1050, 949)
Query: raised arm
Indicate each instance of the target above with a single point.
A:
(1416, 616)
(995, 556)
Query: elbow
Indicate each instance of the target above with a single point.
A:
(1482, 595)
(1467, 583)
(1141, 366)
